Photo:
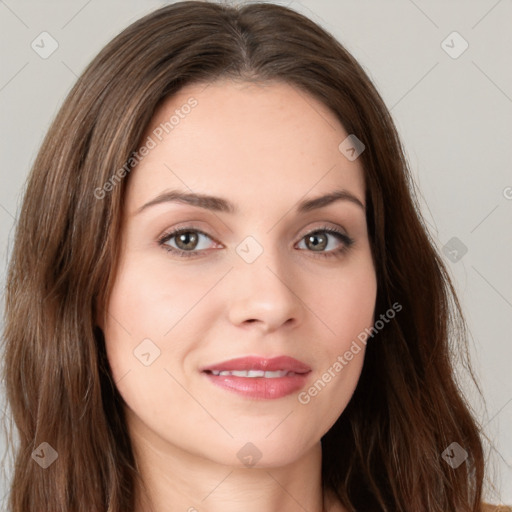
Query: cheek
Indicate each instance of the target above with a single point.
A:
(332, 388)
(347, 309)
(147, 316)
(150, 299)
(155, 313)
(346, 303)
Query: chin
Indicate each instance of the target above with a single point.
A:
(260, 452)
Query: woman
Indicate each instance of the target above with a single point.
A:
(222, 294)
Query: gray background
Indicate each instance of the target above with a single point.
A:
(453, 114)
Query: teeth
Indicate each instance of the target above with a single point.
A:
(253, 373)
(275, 374)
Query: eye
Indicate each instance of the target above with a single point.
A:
(185, 241)
(326, 242)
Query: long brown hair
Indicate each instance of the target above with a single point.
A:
(385, 451)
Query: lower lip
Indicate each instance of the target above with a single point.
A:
(260, 387)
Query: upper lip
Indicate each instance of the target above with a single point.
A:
(260, 363)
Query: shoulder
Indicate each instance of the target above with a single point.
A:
(487, 507)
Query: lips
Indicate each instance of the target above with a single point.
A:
(258, 377)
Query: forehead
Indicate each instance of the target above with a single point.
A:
(244, 139)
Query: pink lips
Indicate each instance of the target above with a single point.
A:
(260, 387)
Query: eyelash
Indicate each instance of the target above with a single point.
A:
(347, 242)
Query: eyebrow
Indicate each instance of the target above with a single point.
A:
(218, 204)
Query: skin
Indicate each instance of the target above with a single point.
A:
(264, 148)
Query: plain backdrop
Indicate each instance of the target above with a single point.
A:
(452, 105)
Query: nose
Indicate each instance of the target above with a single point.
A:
(264, 295)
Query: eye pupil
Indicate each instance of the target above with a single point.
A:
(315, 244)
(187, 240)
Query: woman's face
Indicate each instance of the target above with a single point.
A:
(254, 273)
